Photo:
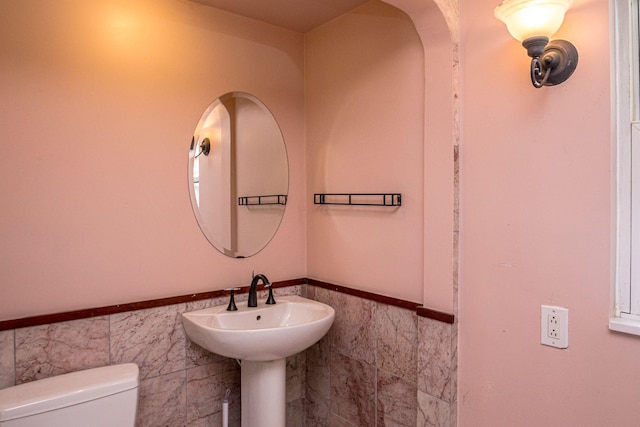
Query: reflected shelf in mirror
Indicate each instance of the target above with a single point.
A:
(272, 199)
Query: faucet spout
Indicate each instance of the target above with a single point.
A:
(253, 291)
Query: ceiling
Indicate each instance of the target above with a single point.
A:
(297, 15)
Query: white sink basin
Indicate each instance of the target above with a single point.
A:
(263, 333)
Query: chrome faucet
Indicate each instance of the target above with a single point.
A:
(253, 291)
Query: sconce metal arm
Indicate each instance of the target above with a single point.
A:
(552, 62)
(538, 76)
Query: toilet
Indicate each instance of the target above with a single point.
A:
(99, 397)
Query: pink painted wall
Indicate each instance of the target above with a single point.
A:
(99, 100)
(535, 229)
(364, 81)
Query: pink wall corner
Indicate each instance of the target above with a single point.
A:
(365, 104)
(100, 100)
(535, 229)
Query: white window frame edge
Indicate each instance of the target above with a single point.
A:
(623, 112)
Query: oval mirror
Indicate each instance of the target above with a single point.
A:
(238, 174)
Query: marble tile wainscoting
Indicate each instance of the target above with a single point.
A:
(379, 365)
(181, 384)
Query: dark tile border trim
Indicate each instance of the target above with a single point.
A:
(141, 305)
(364, 294)
(121, 308)
(435, 315)
(420, 310)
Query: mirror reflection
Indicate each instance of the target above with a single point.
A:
(238, 174)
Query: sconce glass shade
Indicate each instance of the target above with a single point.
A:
(532, 18)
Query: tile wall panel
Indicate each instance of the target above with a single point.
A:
(433, 411)
(153, 338)
(206, 388)
(397, 339)
(354, 328)
(396, 401)
(162, 401)
(353, 390)
(434, 360)
(382, 366)
(58, 348)
(7, 359)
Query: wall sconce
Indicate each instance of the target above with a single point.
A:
(533, 22)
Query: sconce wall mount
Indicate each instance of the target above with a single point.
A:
(205, 147)
(533, 22)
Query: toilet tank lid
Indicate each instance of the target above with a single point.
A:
(64, 390)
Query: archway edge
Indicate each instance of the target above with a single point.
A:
(436, 22)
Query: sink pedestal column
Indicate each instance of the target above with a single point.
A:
(263, 393)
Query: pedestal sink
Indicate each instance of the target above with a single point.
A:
(262, 338)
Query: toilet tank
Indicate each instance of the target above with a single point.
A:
(100, 397)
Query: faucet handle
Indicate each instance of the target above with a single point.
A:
(232, 303)
(270, 299)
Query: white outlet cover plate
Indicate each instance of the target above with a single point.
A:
(554, 326)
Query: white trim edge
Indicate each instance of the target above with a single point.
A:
(628, 326)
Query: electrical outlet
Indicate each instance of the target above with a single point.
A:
(554, 326)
